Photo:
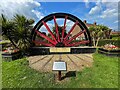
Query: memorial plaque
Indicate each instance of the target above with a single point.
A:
(59, 66)
(59, 50)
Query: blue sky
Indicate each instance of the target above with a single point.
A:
(92, 11)
(105, 13)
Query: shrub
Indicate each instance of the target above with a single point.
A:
(116, 35)
(109, 41)
(5, 44)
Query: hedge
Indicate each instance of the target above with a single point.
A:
(109, 41)
(116, 35)
(5, 44)
(105, 41)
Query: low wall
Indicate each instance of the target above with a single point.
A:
(109, 52)
(12, 56)
(39, 51)
(76, 50)
(59, 50)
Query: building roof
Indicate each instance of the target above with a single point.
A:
(78, 29)
(115, 32)
(88, 25)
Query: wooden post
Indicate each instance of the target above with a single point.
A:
(59, 75)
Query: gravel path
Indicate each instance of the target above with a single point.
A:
(75, 62)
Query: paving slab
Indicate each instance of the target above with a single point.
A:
(75, 62)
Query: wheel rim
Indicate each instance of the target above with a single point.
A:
(57, 40)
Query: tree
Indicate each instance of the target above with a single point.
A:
(7, 26)
(22, 31)
(97, 33)
(106, 31)
(18, 30)
(60, 28)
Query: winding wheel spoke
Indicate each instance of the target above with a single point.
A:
(56, 28)
(75, 36)
(46, 37)
(49, 31)
(63, 30)
(70, 32)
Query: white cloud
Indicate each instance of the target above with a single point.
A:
(95, 10)
(110, 10)
(100, 0)
(109, 13)
(44, 29)
(22, 7)
(111, 5)
(69, 23)
(38, 14)
(104, 12)
(86, 3)
(116, 21)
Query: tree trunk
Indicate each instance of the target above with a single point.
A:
(93, 42)
(97, 42)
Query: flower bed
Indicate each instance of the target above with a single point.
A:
(110, 50)
(10, 54)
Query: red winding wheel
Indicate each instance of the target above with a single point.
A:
(63, 35)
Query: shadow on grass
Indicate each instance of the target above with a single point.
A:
(69, 74)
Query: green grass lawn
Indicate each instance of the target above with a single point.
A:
(103, 74)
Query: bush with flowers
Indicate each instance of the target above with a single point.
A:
(110, 47)
(10, 50)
